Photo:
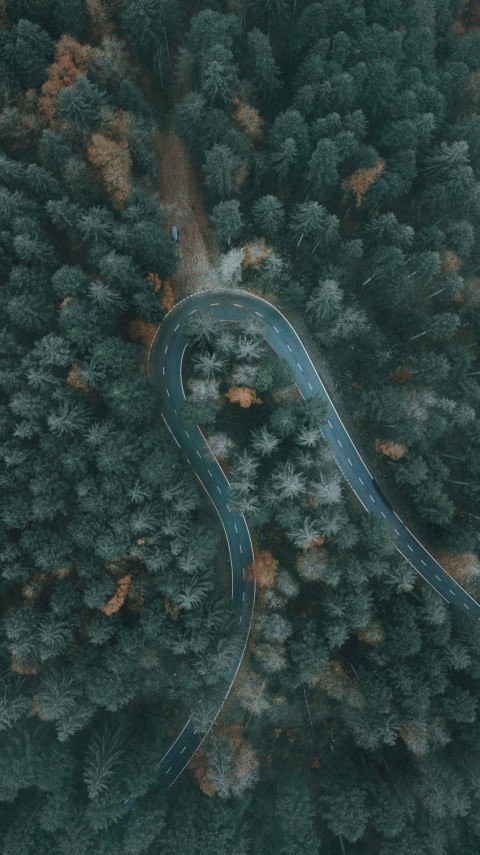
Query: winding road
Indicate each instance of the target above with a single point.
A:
(166, 358)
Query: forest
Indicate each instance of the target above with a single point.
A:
(335, 151)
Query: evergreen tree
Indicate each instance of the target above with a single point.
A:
(220, 170)
(268, 215)
(82, 104)
(33, 50)
(227, 221)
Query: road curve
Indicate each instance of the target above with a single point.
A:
(166, 358)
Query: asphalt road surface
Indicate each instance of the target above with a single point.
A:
(166, 358)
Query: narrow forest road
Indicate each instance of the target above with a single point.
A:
(166, 358)
(182, 206)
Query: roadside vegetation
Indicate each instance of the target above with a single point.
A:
(336, 148)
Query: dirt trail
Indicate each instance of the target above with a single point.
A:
(183, 206)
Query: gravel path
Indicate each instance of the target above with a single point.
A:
(182, 206)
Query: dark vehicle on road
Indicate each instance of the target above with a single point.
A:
(175, 235)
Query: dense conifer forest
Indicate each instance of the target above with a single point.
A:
(335, 151)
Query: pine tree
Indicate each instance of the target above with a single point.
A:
(220, 170)
(268, 216)
(227, 221)
(264, 71)
(33, 50)
(82, 104)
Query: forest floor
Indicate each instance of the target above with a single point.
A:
(183, 206)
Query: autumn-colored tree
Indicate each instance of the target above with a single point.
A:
(168, 296)
(390, 448)
(70, 61)
(168, 299)
(372, 633)
(462, 566)
(263, 569)
(242, 395)
(26, 664)
(74, 379)
(255, 253)
(112, 159)
(228, 769)
(33, 587)
(337, 684)
(360, 180)
(116, 602)
(249, 119)
(450, 263)
(401, 374)
(98, 16)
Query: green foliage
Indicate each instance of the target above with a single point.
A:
(82, 104)
(64, 16)
(220, 170)
(102, 755)
(32, 51)
(227, 221)
(268, 216)
(360, 698)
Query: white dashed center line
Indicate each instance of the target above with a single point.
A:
(452, 592)
(383, 515)
(198, 452)
(183, 749)
(373, 500)
(176, 328)
(259, 314)
(437, 577)
(187, 433)
(218, 488)
(290, 349)
(423, 562)
(397, 532)
(277, 331)
(168, 770)
(467, 607)
(361, 482)
(301, 369)
(310, 386)
(410, 547)
(235, 527)
(340, 444)
(208, 470)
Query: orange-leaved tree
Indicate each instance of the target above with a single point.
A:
(242, 395)
(112, 159)
(263, 569)
(116, 601)
(70, 61)
(390, 448)
(362, 179)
